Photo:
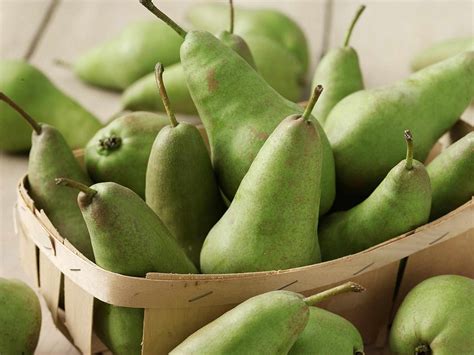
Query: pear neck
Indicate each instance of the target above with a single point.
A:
(359, 12)
(35, 125)
(312, 102)
(344, 288)
(163, 17)
(159, 69)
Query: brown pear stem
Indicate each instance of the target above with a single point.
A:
(312, 101)
(164, 95)
(35, 125)
(231, 25)
(76, 185)
(163, 17)
(359, 12)
(344, 288)
(409, 158)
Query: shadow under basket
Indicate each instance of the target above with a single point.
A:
(177, 305)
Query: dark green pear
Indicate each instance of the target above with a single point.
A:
(33, 91)
(128, 238)
(451, 175)
(238, 108)
(119, 152)
(180, 184)
(118, 63)
(428, 103)
(338, 71)
(50, 156)
(440, 51)
(265, 324)
(272, 222)
(399, 204)
(20, 318)
(328, 333)
(436, 318)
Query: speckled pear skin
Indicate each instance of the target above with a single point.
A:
(440, 51)
(271, 223)
(265, 324)
(268, 23)
(181, 186)
(38, 96)
(130, 239)
(428, 103)
(328, 333)
(338, 71)
(451, 175)
(20, 318)
(438, 312)
(133, 53)
(124, 161)
(50, 157)
(238, 44)
(399, 204)
(239, 110)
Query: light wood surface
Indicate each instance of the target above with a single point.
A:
(387, 36)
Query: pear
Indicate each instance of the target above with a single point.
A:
(406, 189)
(128, 238)
(428, 103)
(436, 318)
(33, 91)
(451, 176)
(132, 54)
(440, 51)
(50, 156)
(238, 108)
(180, 184)
(20, 318)
(327, 333)
(119, 152)
(268, 323)
(271, 224)
(338, 71)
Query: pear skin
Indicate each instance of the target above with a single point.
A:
(451, 176)
(406, 189)
(20, 318)
(36, 94)
(436, 318)
(427, 103)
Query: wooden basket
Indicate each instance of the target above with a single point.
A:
(177, 305)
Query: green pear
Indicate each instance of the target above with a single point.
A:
(180, 184)
(406, 189)
(50, 156)
(20, 318)
(130, 239)
(33, 91)
(119, 152)
(327, 333)
(338, 71)
(272, 222)
(436, 318)
(268, 23)
(451, 176)
(238, 108)
(132, 54)
(268, 323)
(428, 103)
(440, 51)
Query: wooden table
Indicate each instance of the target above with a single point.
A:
(40, 31)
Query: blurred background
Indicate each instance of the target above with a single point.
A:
(387, 37)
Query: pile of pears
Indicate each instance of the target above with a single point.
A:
(265, 184)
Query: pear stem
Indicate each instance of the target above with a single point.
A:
(35, 125)
(344, 288)
(163, 17)
(164, 95)
(231, 25)
(76, 185)
(359, 12)
(409, 158)
(312, 101)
